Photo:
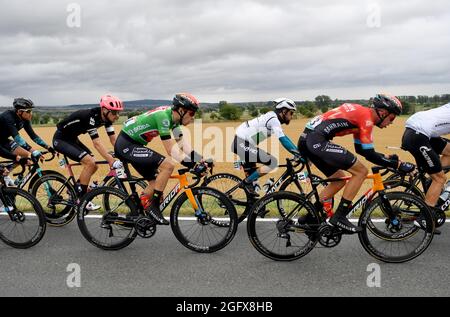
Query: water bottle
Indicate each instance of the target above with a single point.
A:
(328, 207)
(256, 186)
(18, 180)
(445, 193)
(303, 177)
(94, 185)
(268, 184)
(62, 163)
(9, 181)
(120, 172)
(5, 209)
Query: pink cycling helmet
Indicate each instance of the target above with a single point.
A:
(111, 103)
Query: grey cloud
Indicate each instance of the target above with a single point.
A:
(225, 49)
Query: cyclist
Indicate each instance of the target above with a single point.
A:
(12, 145)
(66, 140)
(422, 138)
(138, 131)
(250, 133)
(332, 159)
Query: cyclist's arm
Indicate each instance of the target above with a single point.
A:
(7, 154)
(111, 134)
(289, 145)
(29, 129)
(112, 139)
(100, 147)
(368, 151)
(174, 151)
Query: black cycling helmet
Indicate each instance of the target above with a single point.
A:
(388, 102)
(186, 101)
(23, 104)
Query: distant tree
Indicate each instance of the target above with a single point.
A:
(36, 118)
(308, 109)
(265, 109)
(230, 112)
(323, 102)
(45, 119)
(199, 114)
(254, 113)
(214, 116)
(422, 99)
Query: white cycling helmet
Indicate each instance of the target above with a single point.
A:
(284, 103)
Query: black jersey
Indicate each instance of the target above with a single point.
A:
(11, 124)
(84, 121)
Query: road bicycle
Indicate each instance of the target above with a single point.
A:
(418, 183)
(202, 218)
(58, 196)
(294, 178)
(397, 226)
(34, 172)
(22, 220)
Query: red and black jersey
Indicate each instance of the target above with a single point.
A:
(349, 118)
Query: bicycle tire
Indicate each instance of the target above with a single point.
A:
(112, 182)
(275, 220)
(63, 195)
(380, 239)
(38, 225)
(220, 219)
(240, 197)
(35, 178)
(89, 222)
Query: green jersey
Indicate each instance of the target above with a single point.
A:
(145, 127)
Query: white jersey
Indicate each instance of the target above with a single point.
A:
(260, 128)
(433, 123)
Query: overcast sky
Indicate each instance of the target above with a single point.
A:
(234, 50)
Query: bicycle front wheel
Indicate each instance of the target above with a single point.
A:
(397, 229)
(273, 229)
(208, 229)
(22, 223)
(57, 198)
(107, 229)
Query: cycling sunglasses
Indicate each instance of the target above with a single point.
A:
(27, 110)
(191, 113)
(115, 112)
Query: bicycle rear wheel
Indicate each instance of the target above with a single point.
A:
(214, 225)
(398, 239)
(107, 229)
(275, 234)
(23, 225)
(225, 182)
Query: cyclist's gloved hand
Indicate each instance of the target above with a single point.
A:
(394, 157)
(406, 167)
(36, 154)
(298, 157)
(51, 150)
(200, 168)
(24, 161)
(117, 165)
(209, 162)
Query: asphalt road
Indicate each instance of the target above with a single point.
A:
(161, 266)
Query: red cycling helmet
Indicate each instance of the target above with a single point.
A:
(111, 103)
(388, 102)
(186, 101)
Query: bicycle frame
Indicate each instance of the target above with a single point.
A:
(34, 169)
(183, 185)
(290, 171)
(378, 187)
